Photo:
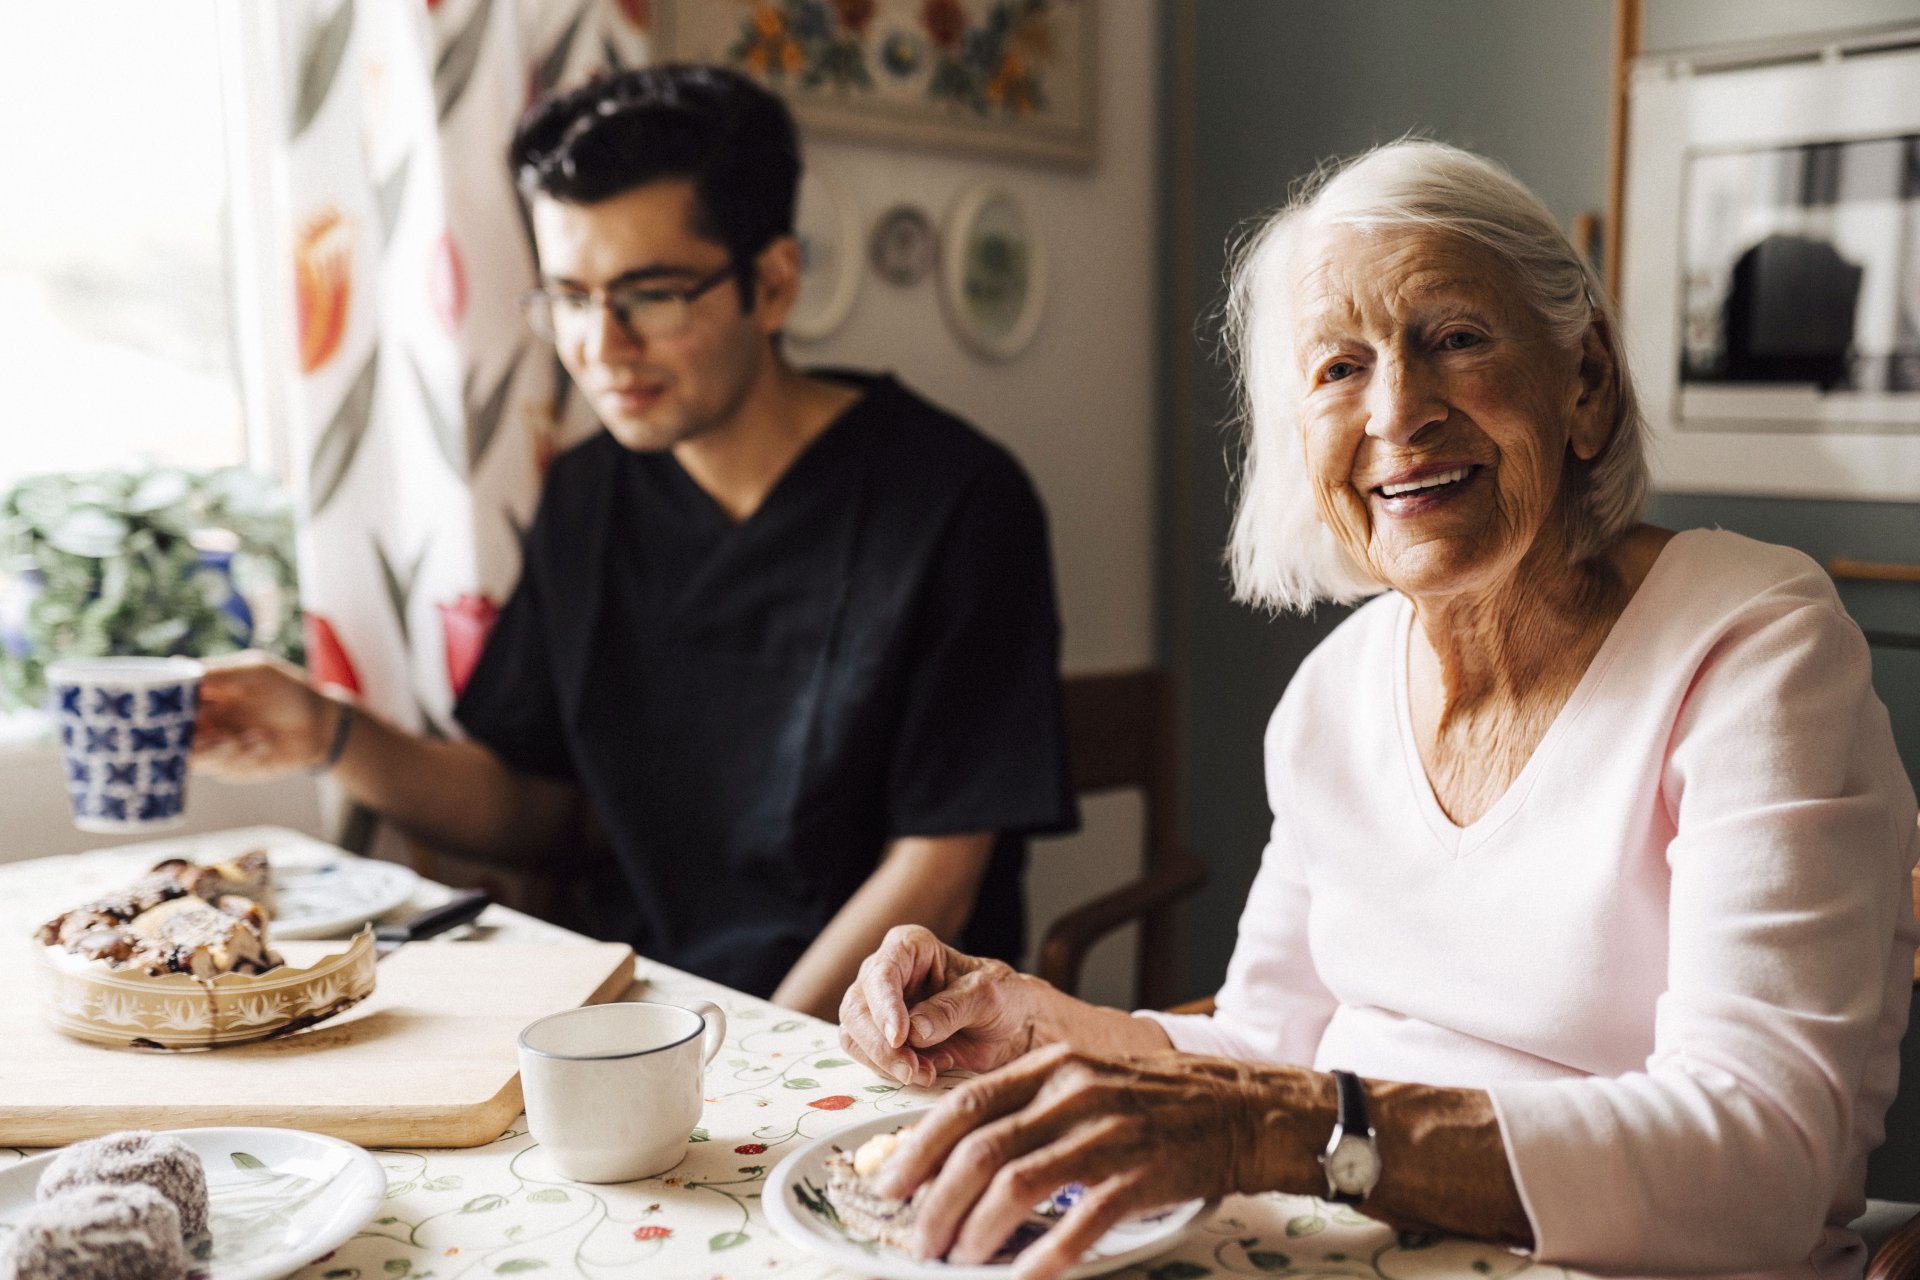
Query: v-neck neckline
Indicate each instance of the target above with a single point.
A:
(723, 527)
(1459, 840)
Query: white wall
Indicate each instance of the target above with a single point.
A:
(35, 823)
(1077, 406)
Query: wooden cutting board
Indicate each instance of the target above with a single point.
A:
(428, 1060)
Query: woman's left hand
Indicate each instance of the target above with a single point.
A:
(1138, 1133)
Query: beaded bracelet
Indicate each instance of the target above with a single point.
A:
(338, 746)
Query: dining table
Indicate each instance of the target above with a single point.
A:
(780, 1080)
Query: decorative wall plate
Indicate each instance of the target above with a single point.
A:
(993, 273)
(903, 245)
(829, 259)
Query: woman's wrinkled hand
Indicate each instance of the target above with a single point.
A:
(1138, 1133)
(259, 718)
(918, 1007)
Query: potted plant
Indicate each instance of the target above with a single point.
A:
(157, 561)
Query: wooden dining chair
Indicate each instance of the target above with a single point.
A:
(1120, 736)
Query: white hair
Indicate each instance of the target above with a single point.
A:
(1281, 554)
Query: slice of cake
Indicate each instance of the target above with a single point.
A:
(205, 939)
(864, 1212)
(180, 917)
(867, 1215)
(245, 875)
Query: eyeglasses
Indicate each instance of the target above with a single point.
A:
(644, 311)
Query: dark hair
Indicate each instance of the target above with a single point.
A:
(732, 137)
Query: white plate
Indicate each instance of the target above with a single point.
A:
(328, 899)
(320, 890)
(1132, 1241)
(278, 1198)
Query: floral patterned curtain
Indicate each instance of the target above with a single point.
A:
(422, 413)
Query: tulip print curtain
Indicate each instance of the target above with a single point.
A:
(421, 413)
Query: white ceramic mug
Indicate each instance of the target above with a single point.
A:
(613, 1091)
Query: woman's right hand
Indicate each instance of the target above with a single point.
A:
(919, 1007)
(259, 718)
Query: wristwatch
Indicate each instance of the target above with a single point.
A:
(1351, 1159)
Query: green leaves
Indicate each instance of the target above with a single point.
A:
(464, 438)
(1306, 1224)
(517, 1266)
(801, 1082)
(399, 586)
(243, 1160)
(89, 531)
(392, 193)
(483, 418)
(726, 1240)
(483, 1204)
(547, 72)
(320, 57)
(112, 562)
(333, 454)
(457, 62)
(547, 1195)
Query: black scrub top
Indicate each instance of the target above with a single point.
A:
(754, 710)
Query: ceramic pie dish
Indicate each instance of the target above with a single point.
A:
(129, 1009)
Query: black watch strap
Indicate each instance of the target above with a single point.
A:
(1352, 1116)
(1352, 1161)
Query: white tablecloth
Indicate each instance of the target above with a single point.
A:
(780, 1080)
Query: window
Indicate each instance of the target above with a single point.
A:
(116, 305)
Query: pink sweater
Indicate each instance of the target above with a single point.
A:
(1677, 952)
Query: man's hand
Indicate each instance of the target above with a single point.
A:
(919, 1007)
(259, 718)
(1138, 1133)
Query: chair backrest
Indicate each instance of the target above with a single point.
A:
(1120, 736)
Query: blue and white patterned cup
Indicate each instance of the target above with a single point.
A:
(126, 726)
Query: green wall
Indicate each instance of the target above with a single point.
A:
(1279, 85)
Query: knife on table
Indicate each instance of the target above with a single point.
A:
(457, 910)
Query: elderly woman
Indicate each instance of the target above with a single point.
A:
(1584, 923)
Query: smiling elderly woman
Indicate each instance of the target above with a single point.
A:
(1587, 887)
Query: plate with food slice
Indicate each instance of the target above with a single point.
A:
(307, 887)
(316, 898)
(819, 1199)
(210, 1204)
(180, 958)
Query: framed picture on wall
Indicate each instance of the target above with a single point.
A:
(1771, 272)
(1010, 78)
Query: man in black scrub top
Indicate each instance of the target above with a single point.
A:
(788, 637)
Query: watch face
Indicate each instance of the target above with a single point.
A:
(1353, 1166)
